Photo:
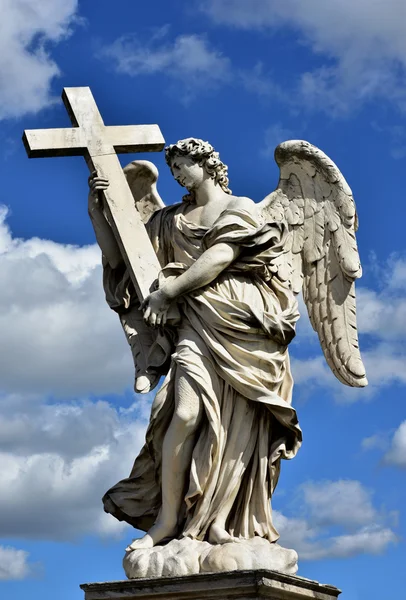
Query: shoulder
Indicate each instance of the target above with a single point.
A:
(172, 208)
(166, 211)
(241, 203)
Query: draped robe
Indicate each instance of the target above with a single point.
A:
(231, 344)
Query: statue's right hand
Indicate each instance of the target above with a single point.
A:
(96, 185)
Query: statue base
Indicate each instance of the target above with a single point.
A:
(214, 586)
(191, 557)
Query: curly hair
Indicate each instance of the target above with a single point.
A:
(204, 154)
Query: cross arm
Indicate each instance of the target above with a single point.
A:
(41, 143)
(98, 143)
(135, 138)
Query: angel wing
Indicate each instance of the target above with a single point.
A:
(142, 176)
(321, 256)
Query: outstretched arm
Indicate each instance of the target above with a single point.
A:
(205, 270)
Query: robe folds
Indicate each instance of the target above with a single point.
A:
(231, 343)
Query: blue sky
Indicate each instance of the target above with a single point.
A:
(245, 75)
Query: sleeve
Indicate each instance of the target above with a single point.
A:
(260, 243)
(118, 287)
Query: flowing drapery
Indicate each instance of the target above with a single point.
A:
(232, 338)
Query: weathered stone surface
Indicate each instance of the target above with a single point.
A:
(187, 556)
(231, 268)
(218, 327)
(98, 143)
(240, 584)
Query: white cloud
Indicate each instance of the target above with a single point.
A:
(343, 502)
(363, 43)
(259, 82)
(30, 426)
(327, 506)
(28, 28)
(274, 135)
(370, 540)
(396, 455)
(313, 370)
(381, 315)
(312, 543)
(396, 274)
(297, 533)
(188, 59)
(57, 462)
(59, 339)
(58, 334)
(377, 441)
(384, 366)
(13, 564)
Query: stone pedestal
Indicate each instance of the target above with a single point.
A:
(216, 586)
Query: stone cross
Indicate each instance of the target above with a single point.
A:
(89, 137)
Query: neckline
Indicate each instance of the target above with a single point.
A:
(191, 224)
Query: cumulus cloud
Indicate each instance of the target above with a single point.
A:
(274, 135)
(57, 461)
(187, 59)
(378, 441)
(370, 540)
(396, 454)
(261, 83)
(29, 425)
(328, 505)
(13, 564)
(343, 502)
(363, 44)
(381, 319)
(396, 274)
(384, 366)
(27, 69)
(60, 342)
(58, 335)
(382, 313)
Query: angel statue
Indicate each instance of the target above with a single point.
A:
(218, 327)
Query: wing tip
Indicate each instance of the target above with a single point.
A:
(360, 383)
(351, 380)
(355, 372)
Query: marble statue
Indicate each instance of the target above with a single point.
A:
(217, 327)
(206, 294)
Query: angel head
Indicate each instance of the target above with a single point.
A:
(192, 161)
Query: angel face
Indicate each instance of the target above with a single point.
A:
(187, 172)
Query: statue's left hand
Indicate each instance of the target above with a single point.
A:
(155, 308)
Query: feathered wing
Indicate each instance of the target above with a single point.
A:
(321, 255)
(142, 176)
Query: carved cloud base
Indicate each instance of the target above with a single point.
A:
(189, 557)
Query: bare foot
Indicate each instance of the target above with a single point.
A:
(218, 535)
(156, 534)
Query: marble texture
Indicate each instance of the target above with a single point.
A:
(219, 326)
(214, 586)
(205, 291)
(321, 258)
(98, 143)
(187, 556)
